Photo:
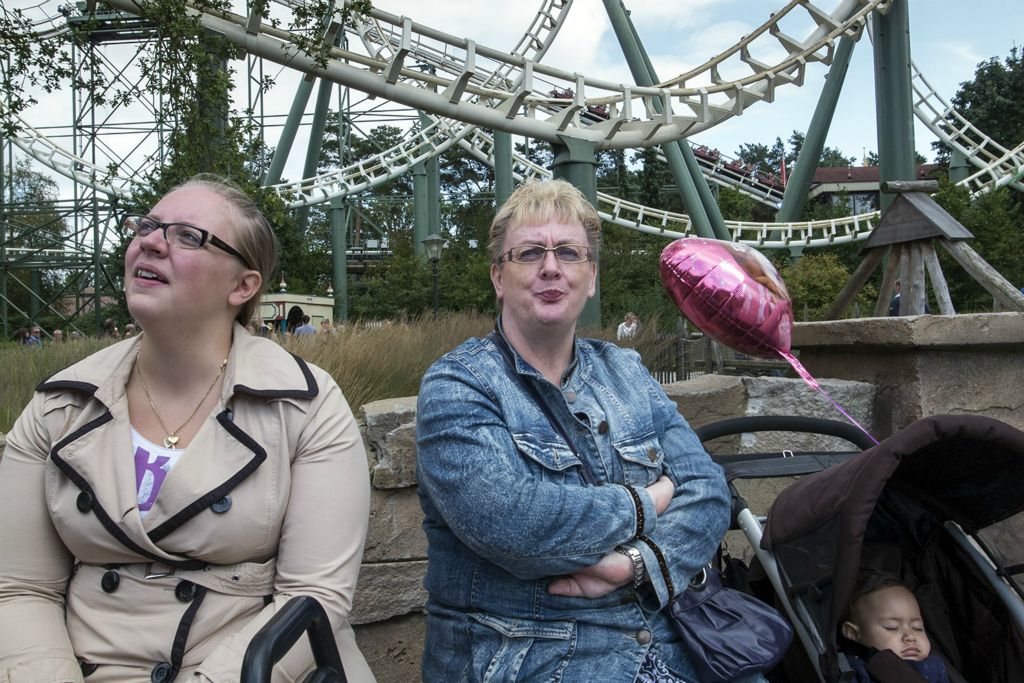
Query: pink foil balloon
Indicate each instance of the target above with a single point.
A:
(731, 293)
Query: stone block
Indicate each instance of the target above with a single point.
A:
(394, 648)
(779, 396)
(389, 431)
(924, 365)
(396, 527)
(389, 589)
(707, 399)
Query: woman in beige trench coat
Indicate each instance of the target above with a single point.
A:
(161, 499)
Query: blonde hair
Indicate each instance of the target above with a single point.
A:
(254, 238)
(539, 202)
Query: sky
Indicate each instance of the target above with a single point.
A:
(947, 43)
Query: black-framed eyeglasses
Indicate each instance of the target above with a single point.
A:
(535, 253)
(179, 235)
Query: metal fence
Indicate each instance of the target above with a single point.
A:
(685, 355)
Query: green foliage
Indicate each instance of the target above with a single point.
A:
(814, 282)
(993, 101)
(736, 206)
(997, 222)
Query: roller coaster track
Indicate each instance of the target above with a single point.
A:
(996, 166)
(465, 81)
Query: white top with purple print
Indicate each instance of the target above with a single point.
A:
(152, 463)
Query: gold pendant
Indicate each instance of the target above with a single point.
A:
(170, 440)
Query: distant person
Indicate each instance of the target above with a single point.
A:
(327, 328)
(21, 335)
(884, 615)
(58, 335)
(109, 329)
(894, 304)
(129, 330)
(35, 337)
(305, 328)
(628, 327)
(76, 335)
(293, 320)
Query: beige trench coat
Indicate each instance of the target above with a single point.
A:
(269, 501)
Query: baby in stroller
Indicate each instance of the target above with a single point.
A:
(885, 630)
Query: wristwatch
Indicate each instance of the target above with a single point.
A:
(639, 569)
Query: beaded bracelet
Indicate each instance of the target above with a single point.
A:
(639, 511)
(662, 564)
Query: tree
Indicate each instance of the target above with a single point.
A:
(815, 280)
(992, 101)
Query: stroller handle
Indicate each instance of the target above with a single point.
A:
(784, 423)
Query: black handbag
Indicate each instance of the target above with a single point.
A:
(727, 633)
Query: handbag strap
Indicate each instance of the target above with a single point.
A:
(499, 340)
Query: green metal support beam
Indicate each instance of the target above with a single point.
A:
(504, 182)
(420, 208)
(339, 213)
(959, 168)
(700, 203)
(291, 127)
(799, 185)
(894, 109)
(576, 162)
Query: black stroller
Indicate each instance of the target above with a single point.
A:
(940, 505)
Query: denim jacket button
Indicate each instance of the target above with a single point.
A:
(643, 636)
(652, 454)
(603, 427)
(570, 396)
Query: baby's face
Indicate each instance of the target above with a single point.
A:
(890, 619)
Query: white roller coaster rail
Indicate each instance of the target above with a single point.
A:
(389, 39)
(633, 117)
(997, 166)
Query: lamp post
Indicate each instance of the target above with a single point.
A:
(433, 244)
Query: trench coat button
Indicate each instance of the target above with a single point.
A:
(161, 673)
(643, 636)
(85, 501)
(222, 505)
(570, 396)
(185, 591)
(652, 454)
(110, 581)
(602, 427)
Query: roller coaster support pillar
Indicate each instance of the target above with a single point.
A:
(316, 142)
(959, 168)
(432, 169)
(291, 127)
(420, 210)
(799, 185)
(894, 111)
(700, 203)
(576, 161)
(339, 263)
(503, 179)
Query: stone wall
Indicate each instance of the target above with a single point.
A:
(924, 365)
(388, 610)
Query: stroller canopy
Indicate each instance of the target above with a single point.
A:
(896, 507)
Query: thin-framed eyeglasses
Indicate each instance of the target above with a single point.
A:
(178, 235)
(535, 253)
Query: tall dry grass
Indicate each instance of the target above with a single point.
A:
(372, 362)
(369, 362)
(22, 368)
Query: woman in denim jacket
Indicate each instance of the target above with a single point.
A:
(547, 564)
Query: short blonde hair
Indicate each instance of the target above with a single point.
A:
(254, 238)
(539, 202)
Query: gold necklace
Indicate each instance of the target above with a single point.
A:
(172, 435)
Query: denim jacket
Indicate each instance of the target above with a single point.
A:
(508, 508)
